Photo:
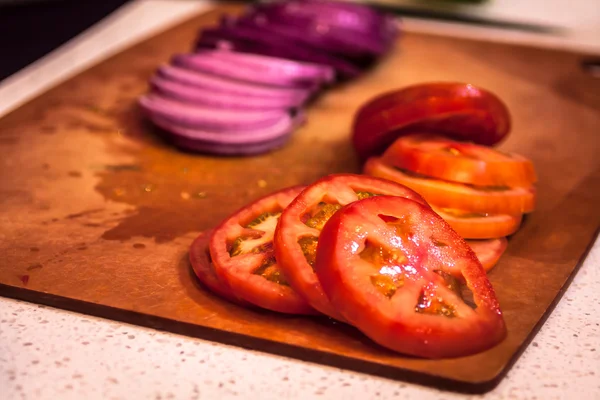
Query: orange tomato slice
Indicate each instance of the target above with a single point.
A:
(472, 225)
(488, 252)
(450, 160)
(480, 199)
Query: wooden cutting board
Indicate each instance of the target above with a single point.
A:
(97, 213)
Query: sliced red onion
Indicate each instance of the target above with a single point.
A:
(211, 118)
(201, 96)
(280, 128)
(260, 41)
(330, 38)
(341, 14)
(236, 103)
(216, 66)
(296, 71)
(229, 149)
(224, 85)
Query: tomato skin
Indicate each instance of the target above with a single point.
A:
(489, 251)
(454, 161)
(393, 322)
(486, 226)
(445, 194)
(204, 269)
(457, 110)
(290, 228)
(238, 271)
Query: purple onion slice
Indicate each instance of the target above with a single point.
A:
(258, 40)
(226, 68)
(225, 85)
(295, 71)
(206, 97)
(269, 133)
(228, 149)
(210, 118)
(340, 41)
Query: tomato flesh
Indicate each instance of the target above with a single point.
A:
(457, 110)
(203, 267)
(489, 251)
(242, 251)
(297, 234)
(444, 194)
(450, 160)
(399, 273)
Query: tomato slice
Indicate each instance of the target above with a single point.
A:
(204, 269)
(489, 251)
(398, 272)
(457, 110)
(447, 159)
(299, 227)
(241, 248)
(443, 194)
(477, 225)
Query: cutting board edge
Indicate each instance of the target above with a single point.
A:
(243, 341)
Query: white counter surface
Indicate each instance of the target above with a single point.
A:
(53, 354)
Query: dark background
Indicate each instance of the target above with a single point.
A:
(31, 30)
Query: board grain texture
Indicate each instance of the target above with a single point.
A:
(97, 212)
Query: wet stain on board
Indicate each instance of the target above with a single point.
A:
(83, 213)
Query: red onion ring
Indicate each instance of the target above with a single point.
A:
(296, 71)
(200, 96)
(224, 85)
(211, 118)
(220, 67)
(241, 37)
(280, 128)
(330, 38)
(229, 149)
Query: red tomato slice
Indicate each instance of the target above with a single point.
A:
(204, 269)
(477, 199)
(395, 270)
(488, 252)
(300, 224)
(241, 248)
(447, 159)
(457, 110)
(472, 225)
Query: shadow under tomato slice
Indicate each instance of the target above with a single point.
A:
(444, 194)
(454, 161)
(457, 110)
(203, 267)
(398, 272)
(242, 251)
(297, 233)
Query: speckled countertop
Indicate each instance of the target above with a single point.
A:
(53, 354)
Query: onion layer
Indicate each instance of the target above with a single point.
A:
(213, 118)
(223, 85)
(194, 95)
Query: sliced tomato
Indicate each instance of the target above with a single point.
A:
(299, 227)
(398, 272)
(457, 110)
(477, 225)
(489, 251)
(203, 268)
(478, 199)
(454, 161)
(241, 248)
